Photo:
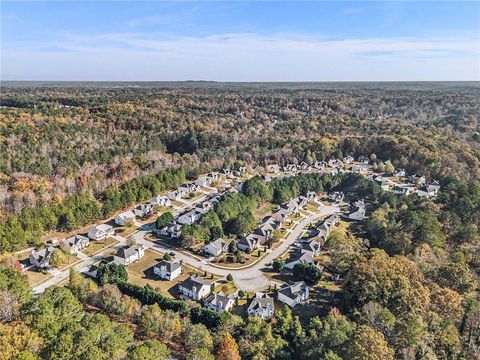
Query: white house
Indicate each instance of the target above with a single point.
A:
(189, 218)
(290, 168)
(273, 168)
(261, 306)
(41, 258)
(160, 201)
(143, 210)
(429, 191)
(129, 255)
(336, 196)
(312, 196)
(74, 244)
(203, 181)
(100, 232)
(219, 302)
(402, 190)
(204, 207)
(189, 188)
(195, 288)
(249, 243)
(216, 247)
(399, 172)
(167, 270)
(171, 230)
(293, 294)
(305, 257)
(125, 218)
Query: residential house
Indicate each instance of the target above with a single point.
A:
(74, 244)
(312, 196)
(363, 159)
(160, 201)
(214, 175)
(348, 159)
(204, 207)
(242, 170)
(336, 196)
(399, 172)
(261, 306)
(188, 188)
(228, 173)
(305, 257)
(204, 181)
(293, 294)
(303, 166)
(195, 287)
(100, 232)
(402, 190)
(290, 168)
(189, 218)
(358, 214)
(171, 230)
(429, 191)
(125, 218)
(41, 258)
(176, 194)
(312, 245)
(417, 180)
(219, 302)
(280, 215)
(167, 270)
(273, 168)
(143, 210)
(320, 165)
(216, 247)
(360, 169)
(249, 243)
(129, 255)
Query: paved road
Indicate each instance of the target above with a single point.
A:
(87, 261)
(252, 277)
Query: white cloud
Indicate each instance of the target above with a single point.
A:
(242, 57)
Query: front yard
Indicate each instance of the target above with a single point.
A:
(36, 277)
(97, 246)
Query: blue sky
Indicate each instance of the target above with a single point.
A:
(240, 41)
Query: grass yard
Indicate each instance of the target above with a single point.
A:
(36, 277)
(96, 246)
(312, 207)
(227, 287)
(71, 259)
(125, 230)
(141, 273)
(177, 203)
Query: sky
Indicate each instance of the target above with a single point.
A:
(240, 41)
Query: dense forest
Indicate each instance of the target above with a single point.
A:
(55, 141)
(410, 273)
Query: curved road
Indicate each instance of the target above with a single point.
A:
(252, 277)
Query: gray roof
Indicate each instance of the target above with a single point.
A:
(261, 302)
(194, 281)
(305, 257)
(293, 290)
(126, 253)
(74, 240)
(216, 298)
(171, 266)
(42, 254)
